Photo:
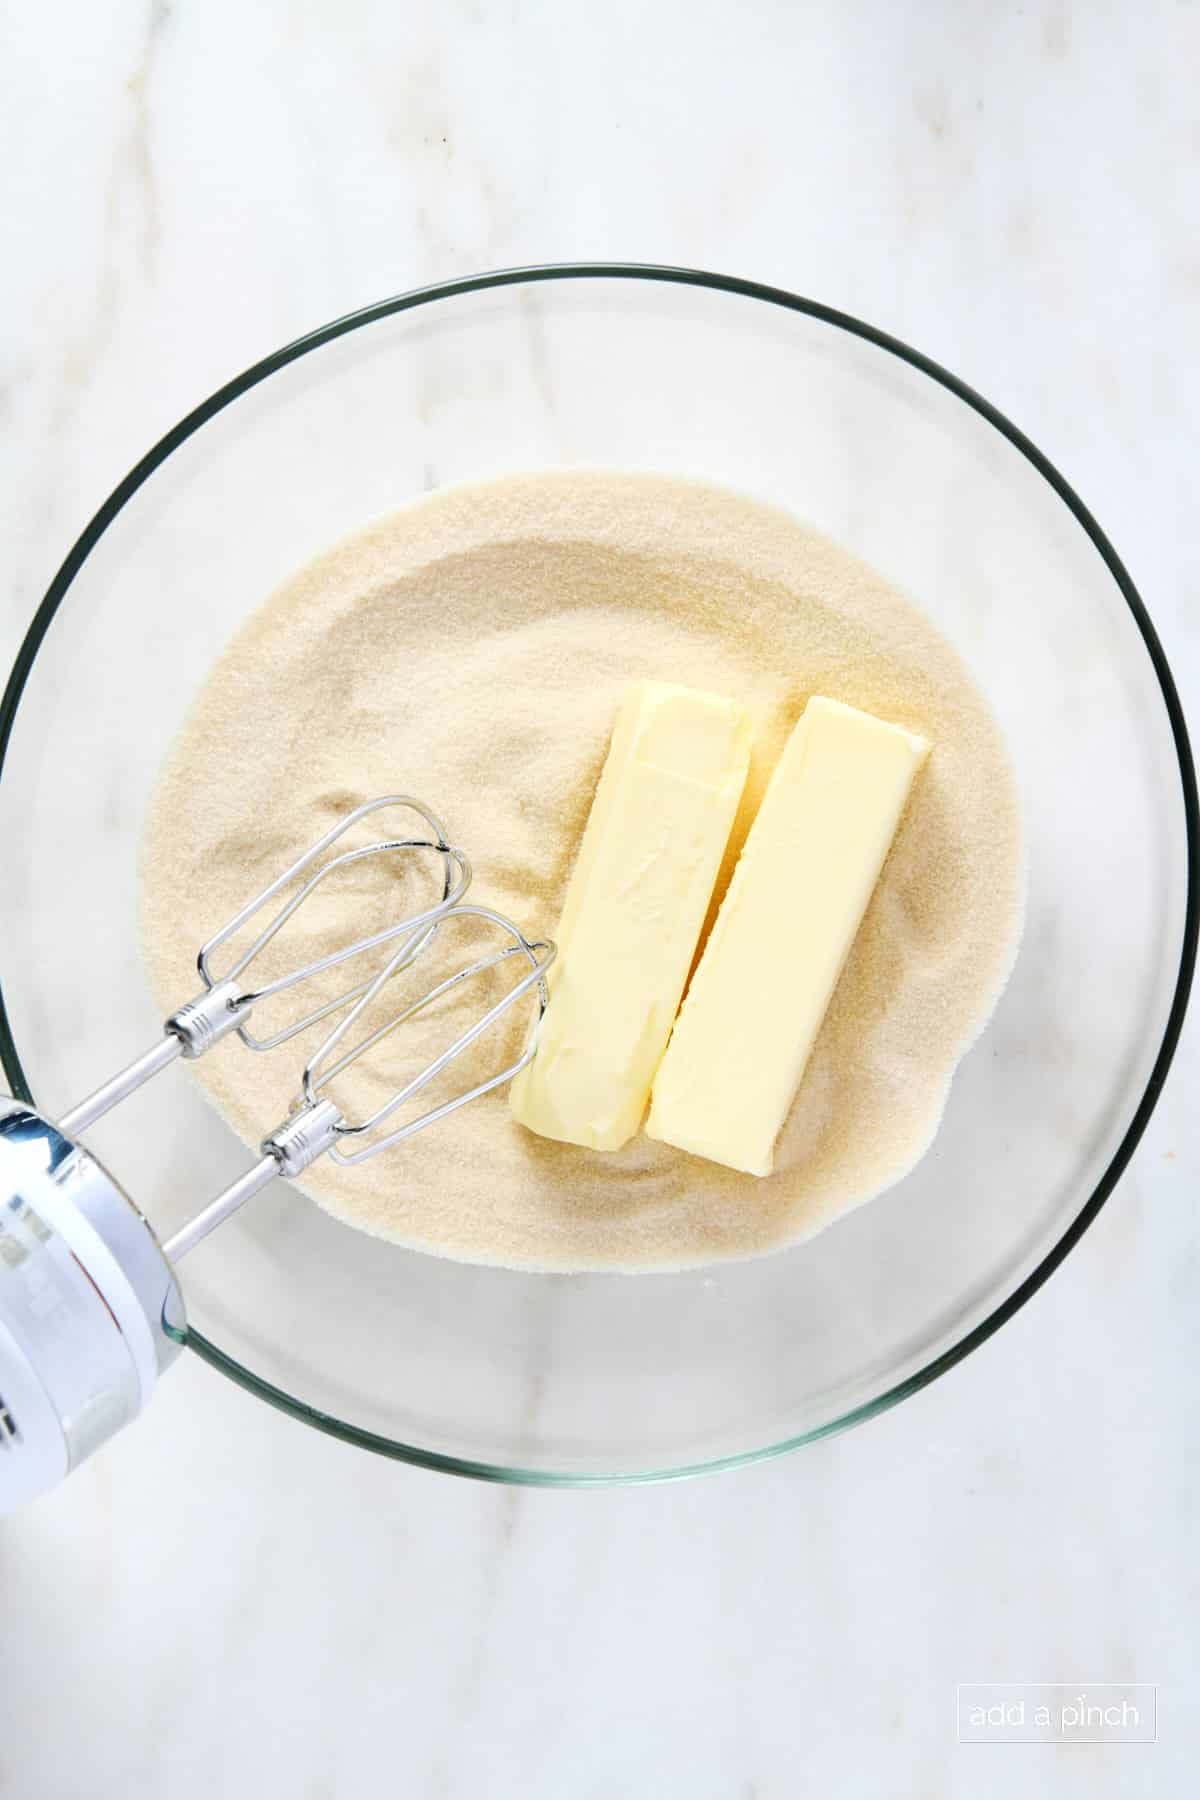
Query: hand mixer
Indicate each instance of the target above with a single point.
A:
(91, 1313)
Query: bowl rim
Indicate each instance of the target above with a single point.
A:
(53, 598)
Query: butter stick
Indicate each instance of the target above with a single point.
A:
(633, 913)
(782, 936)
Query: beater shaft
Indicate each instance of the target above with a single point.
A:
(121, 1085)
(291, 1147)
(220, 1209)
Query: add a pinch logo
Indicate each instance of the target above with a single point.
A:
(1057, 1713)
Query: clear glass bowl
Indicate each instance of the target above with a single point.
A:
(591, 1377)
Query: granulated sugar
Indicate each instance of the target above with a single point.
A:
(472, 650)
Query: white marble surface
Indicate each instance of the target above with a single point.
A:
(225, 1603)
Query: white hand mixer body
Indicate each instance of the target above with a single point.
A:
(90, 1308)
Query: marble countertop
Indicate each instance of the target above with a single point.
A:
(224, 1603)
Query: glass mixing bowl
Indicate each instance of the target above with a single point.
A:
(554, 1378)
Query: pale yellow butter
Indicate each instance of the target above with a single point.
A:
(782, 936)
(634, 909)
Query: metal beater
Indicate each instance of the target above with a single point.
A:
(90, 1309)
